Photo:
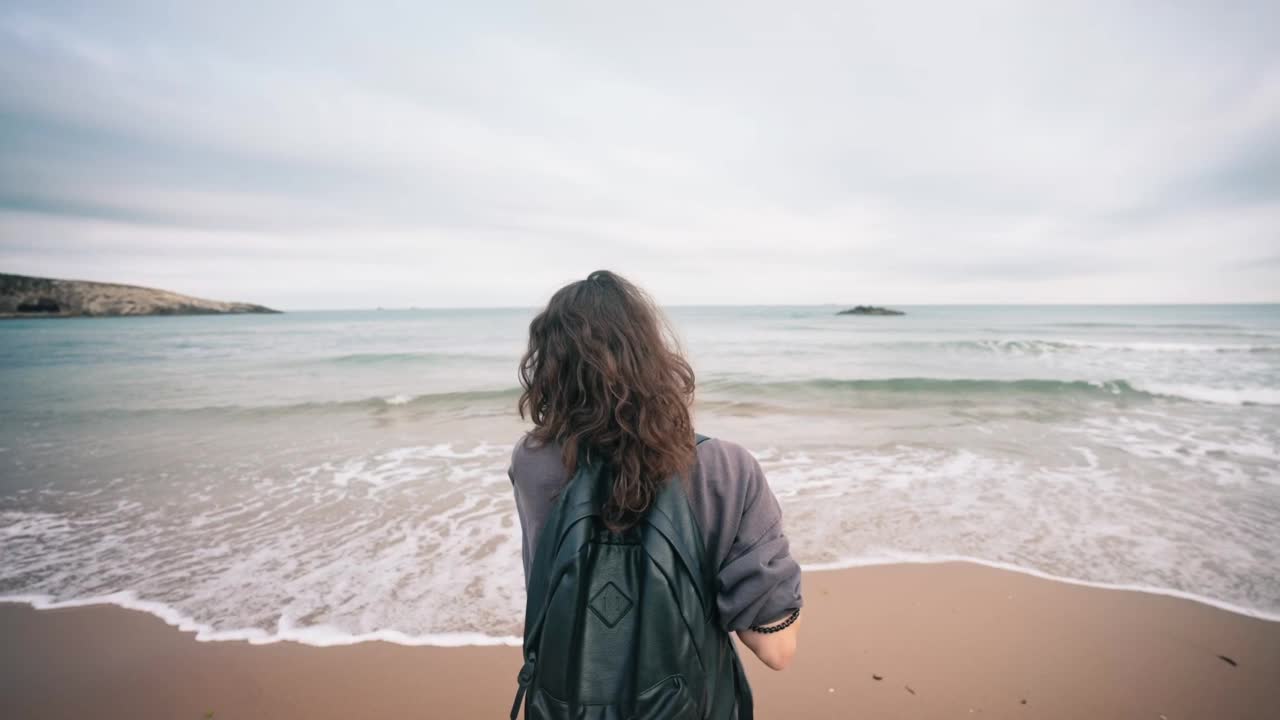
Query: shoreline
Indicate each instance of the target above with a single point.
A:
(323, 638)
(943, 639)
(909, 559)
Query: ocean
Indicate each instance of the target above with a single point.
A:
(329, 477)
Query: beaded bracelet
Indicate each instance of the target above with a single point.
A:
(775, 628)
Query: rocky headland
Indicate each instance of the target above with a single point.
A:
(23, 296)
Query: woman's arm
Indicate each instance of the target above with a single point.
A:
(774, 649)
(758, 580)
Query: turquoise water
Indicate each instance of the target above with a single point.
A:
(328, 476)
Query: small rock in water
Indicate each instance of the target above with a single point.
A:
(870, 310)
(1024, 701)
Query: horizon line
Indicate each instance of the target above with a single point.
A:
(404, 308)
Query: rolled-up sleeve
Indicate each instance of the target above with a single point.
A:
(759, 580)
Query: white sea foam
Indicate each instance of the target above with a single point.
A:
(912, 495)
(1080, 513)
(415, 545)
(15, 524)
(1168, 347)
(329, 636)
(1223, 396)
(1047, 346)
(315, 635)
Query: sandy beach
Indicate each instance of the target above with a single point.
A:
(899, 641)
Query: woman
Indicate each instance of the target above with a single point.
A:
(604, 384)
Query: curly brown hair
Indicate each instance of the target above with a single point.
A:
(604, 374)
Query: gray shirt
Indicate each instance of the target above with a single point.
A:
(739, 516)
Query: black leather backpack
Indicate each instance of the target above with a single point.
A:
(624, 626)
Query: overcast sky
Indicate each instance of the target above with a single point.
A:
(308, 155)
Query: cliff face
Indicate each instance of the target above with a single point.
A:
(25, 296)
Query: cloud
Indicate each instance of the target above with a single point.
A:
(319, 155)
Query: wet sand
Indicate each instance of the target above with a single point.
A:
(901, 641)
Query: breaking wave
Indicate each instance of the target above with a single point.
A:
(1084, 389)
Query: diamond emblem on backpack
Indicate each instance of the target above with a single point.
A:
(610, 604)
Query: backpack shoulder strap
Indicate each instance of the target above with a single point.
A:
(576, 502)
(673, 516)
